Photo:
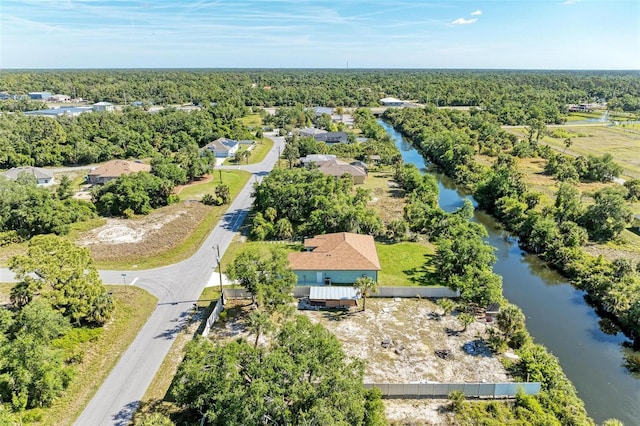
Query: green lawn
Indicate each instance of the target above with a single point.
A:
(236, 179)
(258, 151)
(403, 264)
(237, 247)
(252, 120)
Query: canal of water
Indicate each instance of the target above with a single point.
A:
(557, 315)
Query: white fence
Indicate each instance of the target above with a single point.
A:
(213, 317)
(303, 291)
(478, 390)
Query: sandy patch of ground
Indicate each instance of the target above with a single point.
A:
(118, 231)
(144, 236)
(415, 326)
(410, 323)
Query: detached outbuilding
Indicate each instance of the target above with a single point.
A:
(333, 296)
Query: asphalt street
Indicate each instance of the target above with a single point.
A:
(177, 287)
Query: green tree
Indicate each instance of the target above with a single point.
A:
(301, 377)
(267, 277)
(223, 192)
(466, 320)
(447, 305)
(64, 274)
(510, 320)
(608, 216)
(258, 323)
(365, 286)
(64, 189)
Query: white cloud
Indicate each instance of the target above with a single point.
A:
(570, 2)
(479, 12)
(462, 21)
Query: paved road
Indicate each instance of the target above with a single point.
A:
(177, 287)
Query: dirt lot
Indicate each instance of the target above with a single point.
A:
(143, 236)
(416, 331)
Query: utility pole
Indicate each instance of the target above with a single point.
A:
(219, 267)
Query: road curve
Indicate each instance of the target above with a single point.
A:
(177, 287)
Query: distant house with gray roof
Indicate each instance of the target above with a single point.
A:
(310, 132)
(44, 177)
(103, 106)
(223, 147)
(332, 137)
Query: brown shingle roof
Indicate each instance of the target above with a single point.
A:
(342, 251)
(338, 168)
(115, 168)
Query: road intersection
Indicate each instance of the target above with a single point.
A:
(177, 287)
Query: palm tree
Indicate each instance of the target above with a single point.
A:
(258, 322)
(466, 319)
(365, 286)
(447, 305)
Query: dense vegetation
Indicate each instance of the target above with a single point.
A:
(301, 377)
(56, 305)
(299, 202)
(510, 95)
(100, 136)
(27, 210)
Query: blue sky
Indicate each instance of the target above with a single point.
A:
(516, 34)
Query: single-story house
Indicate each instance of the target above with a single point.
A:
(316, 158)
(223, 147)
(333, 296)
(115, 168)
(338, 168)
(310, 132)
(103, 106)
(391, 102)
(332, 137)
(44, 177)
(340, 258)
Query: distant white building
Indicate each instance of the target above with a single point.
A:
(103, 106)
(392, 102)
(60, 98)
(40, 96)
(44, 177)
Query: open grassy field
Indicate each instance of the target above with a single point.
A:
(252, 120)
(239, 245)
(403, 263)
(388, 199)
(621, 142)
(132, 308)
(624, 144)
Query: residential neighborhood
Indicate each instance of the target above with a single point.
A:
(157, 253)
